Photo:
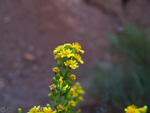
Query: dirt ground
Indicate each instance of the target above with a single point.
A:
(29, 32)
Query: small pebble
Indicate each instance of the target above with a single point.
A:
(7, 88)
(40, 53)
(7, 19)
(2, 84)
(25, 73)
(29, 57)
(31, 48)
(34, 67)
(11, 76)
(21, 42)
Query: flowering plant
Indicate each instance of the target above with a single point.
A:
(64, 96)
(134, 109)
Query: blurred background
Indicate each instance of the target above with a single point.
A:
(113, 33)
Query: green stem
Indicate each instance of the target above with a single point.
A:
(61, 73)
(19, 110)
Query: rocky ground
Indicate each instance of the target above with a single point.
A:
(31, 29)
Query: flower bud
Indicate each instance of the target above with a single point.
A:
(63, 92)
(57, 76)
(54, 80)
(68, 70)
(72, 77)
(142, 110)
(145, 107)
(70, 82)
(55, 92)
(68, 96)
(64, 83)
(19, 110)
(72, 91)
(72, 103)
(81, 98)
(57, 56)
(53, 87)
(51, 96)
(59, 63)
(60, 108)
(74, 51)
(56, 69)
(47, 105)
(67, 46)
(57, 87)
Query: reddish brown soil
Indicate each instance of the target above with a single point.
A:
(34, 28)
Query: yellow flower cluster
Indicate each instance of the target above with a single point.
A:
(72, 77)
(60, 108)
(63, 95)
(76, 91)
(69, 54)
(67, 57)
(39, 109)
(56, 70)
(134, 109)
(76, 46)
(72, 103)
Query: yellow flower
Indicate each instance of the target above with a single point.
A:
(142, 110)
(79, 110)
(56, 70)
(75, 95)
(77, 84)
(34, 109)
(47, 110)
(58, 49)
(78, 58)
(71, 64)
(81, 98)
(66, 53)
(80, 91)
(57, 56)
(53, 87)
(72, 91)
(61, 81)
(72, 77)
(60, 108)
(54, 111)
(72, 103)
(132, 109)
(64, 88)
(41, 109)
(76, 46)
